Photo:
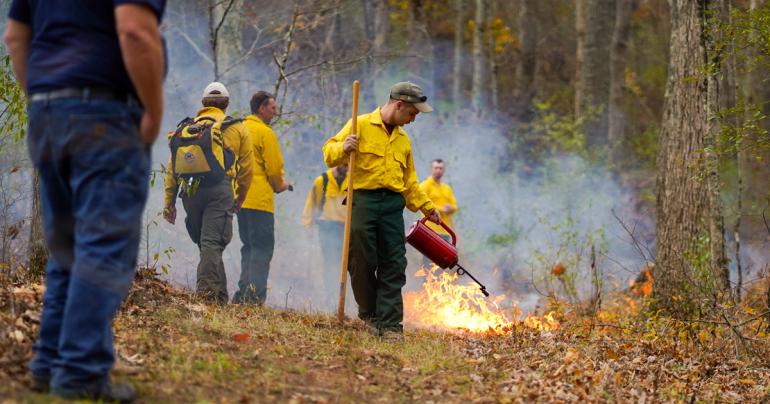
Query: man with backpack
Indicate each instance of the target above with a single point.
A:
(207, 152)
(324, 208)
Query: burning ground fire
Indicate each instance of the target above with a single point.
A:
(445, 304)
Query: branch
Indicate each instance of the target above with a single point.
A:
(286, 50)
(195, 47)
(634, 241)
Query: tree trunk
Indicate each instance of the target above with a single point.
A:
(493, 91)
(477, 83)
(527, 61)
(685, 269)
(226, 44)
(617, 120)
(595, 69)
(458, 53)
(753, 158)
(580, 48)
(381, 26)
(38, 251)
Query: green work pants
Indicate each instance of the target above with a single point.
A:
(209, 223)
(377, 260)
(257, 231)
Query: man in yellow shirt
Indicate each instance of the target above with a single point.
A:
(384, 182)
(440, 193)
(324, 208)
(208, 197)
(256, 221)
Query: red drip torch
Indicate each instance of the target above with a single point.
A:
(438, 250)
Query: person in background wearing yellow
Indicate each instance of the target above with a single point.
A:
(440, 193)
(256, 220)
(384, 182)
(324, 208)
(207, 197)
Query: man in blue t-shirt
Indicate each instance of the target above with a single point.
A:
(93, 72)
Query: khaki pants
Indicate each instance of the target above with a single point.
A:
(209, 223)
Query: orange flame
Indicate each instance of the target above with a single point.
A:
(444, 304)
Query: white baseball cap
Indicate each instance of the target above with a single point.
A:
(215, 90)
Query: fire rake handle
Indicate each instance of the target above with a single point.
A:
(462, 271)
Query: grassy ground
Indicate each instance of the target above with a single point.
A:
(175, 349)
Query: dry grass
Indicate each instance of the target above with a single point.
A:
(175, 349)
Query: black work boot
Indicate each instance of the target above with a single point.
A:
(108, 392)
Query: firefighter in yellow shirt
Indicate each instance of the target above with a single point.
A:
(256, 221)
(384, 182)
(207, 197)
(324, 208)
(440, 193)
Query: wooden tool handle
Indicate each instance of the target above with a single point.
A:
(348, 209)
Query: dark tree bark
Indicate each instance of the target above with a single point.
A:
(458, 53)
(527, 61)
(595, 68)
(477, 81)
(687, 240)
(616, 117)
(38, 251)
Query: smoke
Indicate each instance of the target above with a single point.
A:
(512, 225)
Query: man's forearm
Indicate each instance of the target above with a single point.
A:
(18, 37)
(142, 51)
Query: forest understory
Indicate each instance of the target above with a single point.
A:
(176, 349)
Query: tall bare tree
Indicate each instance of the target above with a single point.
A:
(477, 81)
(686, 237)
(594, 81)
(458, 60)
(617, 121)
(527, 61)
(580, 49)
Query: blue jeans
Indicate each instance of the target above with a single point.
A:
(94, 173)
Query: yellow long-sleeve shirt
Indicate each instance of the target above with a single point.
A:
(332, 209)
(236, 138)
(441, 195)
(268, 166)
(382, 161)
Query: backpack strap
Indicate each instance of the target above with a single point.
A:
(325, 182)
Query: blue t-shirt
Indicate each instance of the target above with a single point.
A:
(75, 43)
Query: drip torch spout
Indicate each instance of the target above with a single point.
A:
(462, 271)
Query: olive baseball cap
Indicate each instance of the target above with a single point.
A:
(411, 93)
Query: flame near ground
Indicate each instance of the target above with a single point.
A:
(443, 303)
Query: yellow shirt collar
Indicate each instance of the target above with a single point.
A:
(211, 112)
(375, 118)
(255, 118)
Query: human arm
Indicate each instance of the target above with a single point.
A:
(18, 37)
(245, 165)
(416, 198)
(450, 207)
(171, 188)
(142, 51)
(334, 148)
(274, 162)
(312, 203)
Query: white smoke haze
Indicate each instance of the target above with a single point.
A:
(511, 227)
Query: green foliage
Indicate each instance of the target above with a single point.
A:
(645, 146)
(13, 105)
(550, 134)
